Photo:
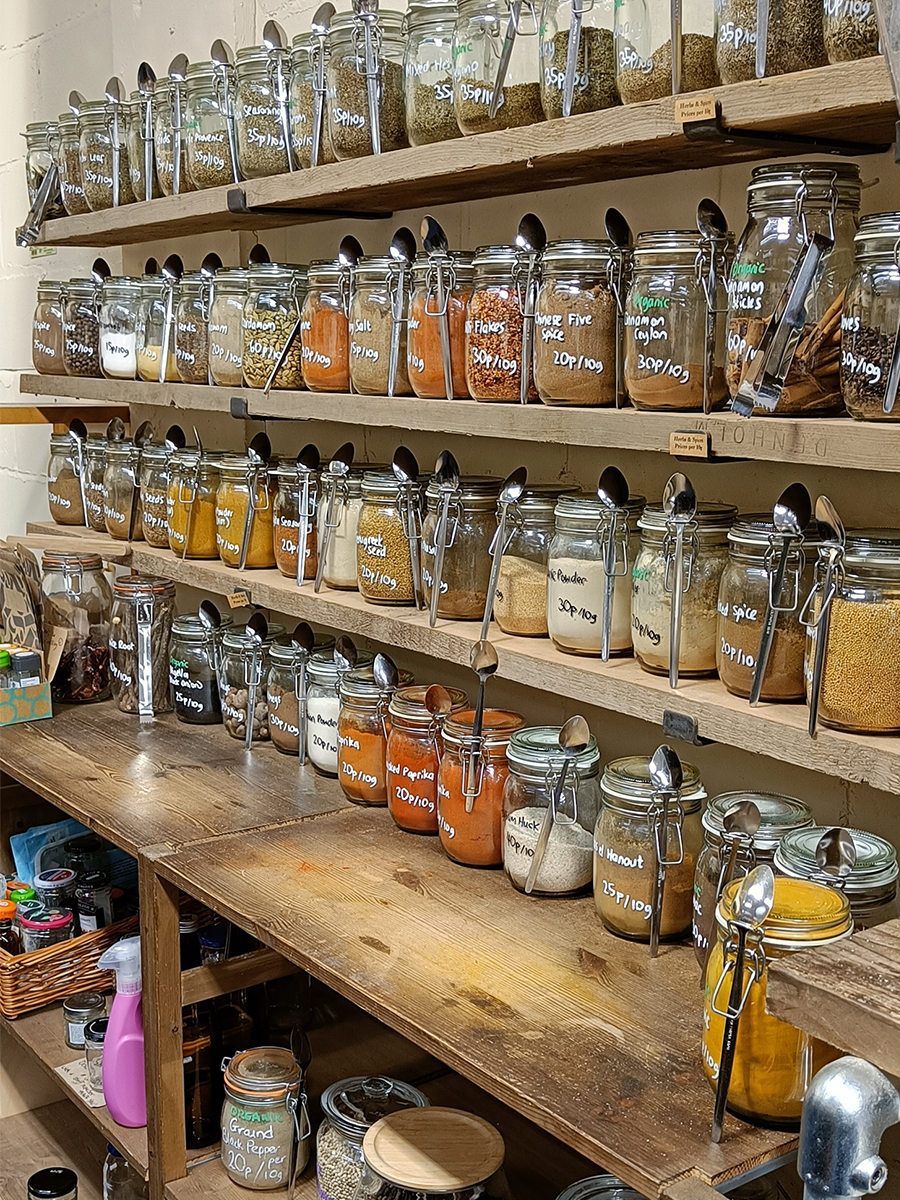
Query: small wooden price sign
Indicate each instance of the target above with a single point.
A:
(239, 599)
(695, 107)
(689, 443)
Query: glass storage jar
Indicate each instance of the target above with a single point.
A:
(337, 524)
(47, 927)
(243, 670)
(494, 327)
(779, 815)
(601, 1187)
(55, 887)
(363, 730)
(851, 29)
(324, 710)
(384, 570)
(78, 1011)
(121, 491)
(166, 109)
(786, 204)
(94, 1038)
(140, 627)
(194, 655)
(754, 549)
(428, 72)
(209, 160)
(47, 330)
(794, 41)
(63, 482)
(156, 331)
(191, 504)
(576, 575)
(95, 139)
(477, 46)
(289, 528)
(348, 104)
(575, 319)
(413, 758)
(870, 318)
(441, 284)
(67, 156)
(154, 474)
(135, 130)
(520, 602)
(535, 764)
(41, 138)
(244, 513)
(705, 558)
(643, 40)
(274, 302)
(287, 712)
(265, 1124)
(594, 81)
(325, 328)
(871, 886)
(474, 838)
(81, 328)
(94, 490)
(469, 531)
(93, 900)
(76, 605)
(774, 1062)
(625, 850)
(666, 308)
(304, 57)
(192, 328)
(381, 288)
(120, 311)
(349, 1108)
(226, 327)
(262, 80)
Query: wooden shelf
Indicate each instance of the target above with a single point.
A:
(846, 100)
(51, 1136)
(833, 442)
(775, 730)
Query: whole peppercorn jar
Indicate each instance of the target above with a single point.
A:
(529, 800)
(242, 487)
(122, 493)
(120, 314)
(67, 156)
(226, 327)
(154, 476)
(804, 915)
(643, 40)
(77, 600)
(140, 627)
(787, 204)
(274, 302)
(705, 558)
(192, 328)
(467, 535)
(284, 693)
(265, 1124)
(325, 328)
(413, 758)
(477, 45)
(165, 139)
(244, 668)
(594, 79)
(157, 332)
(428, 72)
(869, 320)
(47, 330)
(363, 730)
(850, 28)
(194, 656)
(191, 504)
(627, 841)
(135, 140)
(794, 40)
(871, 886)
(520, 602)
(305, 50)
(209, 160)
(440, 290)
(63, 482)
(81, 328)
(94, 490)
(292, 528)
(96, 133)
(779, 816)
(576, 574)
(494, 327)
(348, 104)
(324, 709)
(263, 79)
(384, 569)
(379, 302)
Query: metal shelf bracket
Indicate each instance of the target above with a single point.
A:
(237, 203)
(240, 412)
(712, 131)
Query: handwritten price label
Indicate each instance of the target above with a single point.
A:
(238, 599)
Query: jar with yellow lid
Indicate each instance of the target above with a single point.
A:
(265, 1125)
(191, 504)
(773, 1062)
(241, 484)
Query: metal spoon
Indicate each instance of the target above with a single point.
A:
(574, 739)
(257, 630)
(115, 94)
(831, 532)
(892, 383)
(386, 674)
(177, 77)
(572, 57)
(612, 492)
(100, 271)
(680, 507)
(307, 464)
(146, 81)
(172, 270)
(350, 251)
(259, 452)
(142, 438)
(151, 266)
(302, 639)
(339, 469)
(175, 439)
(676, 44)
(835, 856)
(76, 102)
(509, 40)
(510, 493)
(276, 42)
(436, 246)
(739, 826)
(438, 701)
(713, 226)
(222, 58)
(406, 472)
(211, 620)
(446, 476)
(115, 430)
(403, 252)
(619, 233)
(484, 663)
(320, 25)
(259, 254)
(791, 515)
(345, 654)
(667, 777)
(367, 14)
(78, 436)
(531, 238)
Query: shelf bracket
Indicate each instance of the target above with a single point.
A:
(237, 203)
(683, 728)
(712, 131)
(240, 412)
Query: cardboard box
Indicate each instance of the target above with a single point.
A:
(25, 704)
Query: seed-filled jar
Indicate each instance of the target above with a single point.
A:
(851, 29)
(244, 668)
(494, 327)
(870, 317)
(304, 60)
(78, 1011)
(265, 1125)
(67, 156)
(428, 72)
(629, 830)
(194, 655)
(535, 765)
(477, 46)
(468, 533)
(209, 160)
(643, 40)
(575, 321)
(81, 328)
(441, 285)
(779, 815)
(337, 525)
(871, 886)
(520, 602)
(705, 558)
(774, 1062)
(94, 490)
(135, 140)
(122, 493)
(363, 730)
(155, 495)
(324, 710)
(244, 513)
(76, 604)
(383, 556)
(47, 927)
(63, 483)
(414, 758)
(594, 81)
(140, 628)
(166, 112)
(156, 331)
(787, 204)
(381, 289)
(794, 42)
(274, 301)
(576, 574)
(348, 104)
(47, 330)
(95, 130)
(287, 713)
(325, 328)
(290, 528)
(191, 504)
(263, 79)
(226, 327)
(192, 328)
(120, 311)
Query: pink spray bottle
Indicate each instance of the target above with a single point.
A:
(123, 1050)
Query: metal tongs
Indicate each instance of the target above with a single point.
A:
(619, 275)
(510, 494)
(278, 51)
(406, 472)
(29, 231)
(667, 776)
(366, 12)
(259, 452)
(531, 239)
(439, 283)
(680, 506)
(612, 492)
(320, 25)
(289, 340)
(222, 59)
(446, 476)
(829, 571)
(714, 235)
(177, 79)
(332, 511)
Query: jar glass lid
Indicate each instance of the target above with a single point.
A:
(599, 1187)
(471, 488)
(585, 505)
(498, 726)
(779, 815)
(574, 252)
(537, 748)
(191, 628)
(434, 1150)
(263, 1073)
(876, 859)
(323, 667)
(47, 918)
(756, 529)
(286, 655)
(355, 1104)
(408, 703)
(629, 778)
(495, 255)
(360, 683)
(134, 586)
(869, 549)
(709, 515)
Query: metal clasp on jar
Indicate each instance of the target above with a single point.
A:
(475, 750)
(691, 550)
(805, 194)
(614, 536)
(754, 968)
(71, 572)
(794, 569)
(568, 797)
(832, 557)
(440, 280)
(358, 34)
(661, 838)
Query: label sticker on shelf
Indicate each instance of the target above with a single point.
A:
(75, 1076)
(42, 251)
(694, 108)
(689, 443)
(238, 599)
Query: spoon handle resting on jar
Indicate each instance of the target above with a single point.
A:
(371, 65)
(147, 139)
(769, 622)
(729, 1037)
(540, 848)
(892, 385)
(166, 332)
(676, 605)
(248, 520)
(572, 58)
(303, 524)
(762, 37)
(250, 715)
(527, 333)
(822, 626)
(440, 546)
(509, 39)
(397, 305)
(609, 583)
(327, 528)
(413, 536)
(675, 35)
(444, 330)
(661, 845)
(176, 140)
(116, 153)
(302, 705)
(499, 549)
(318, 105)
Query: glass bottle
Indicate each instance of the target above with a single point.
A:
(260, 135)
(324, 710)
(164, 140)
(194, 654)
(871, 886)
(76, 602)
(226, 328)
(520, 602)
(154, 475)
(94, 473)
(428, 72)
(305, 49)
(284, 693)
(470, 528)
(241, 486)
(381, 288)
(120, 311)
(870, 317)
(41, 138)
(9, 935)
(425, 363)
(95, 131)
(413, 758)
(494, 327)
(383, 556)
(643, 39)
(47, 330)
(120, 1180)
(265, 1124)
(290, 528)
(594, 82)
(325, 328)
(140, 627)
(63, 484)
(192, 328)
(348, 105)
(202, 1091)
(242, 683)
(477, 46)
(274, 301)
(135, 130)
(67, 156)
(81, 328)
(794, 39)
(191, 504)
(155, 331)
(363, 730)
(122, 493)
(337, 525)
(209, 161)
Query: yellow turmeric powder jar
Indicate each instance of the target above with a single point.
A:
(241, 484)
(773, 1061)
(192, 491)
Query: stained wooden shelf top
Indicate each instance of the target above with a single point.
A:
(775, 730)
(846, 100)
(834, 442)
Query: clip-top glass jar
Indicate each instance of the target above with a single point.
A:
(428, 72)
(78, 1011)
(643, 38)
(244, 513)
(870, 318)
(47, 330)
(95, 129)
(850, 29)
(76, 606)
(305, 50)
(520, 602)
(47, 927)
(41, 138)
(140, 627)
(191, 504)
(154, 478)
(290, 527)
(192, 328)
(122, 493)
(262, 81)
(226, 327)
(383, 554)
(286, 703)
(325, 328)
(274, 301)
(441, 288)
(594, 80)
(324, 709)
(157, 334)
(243, 670)
(794, 39)
(380, 296)
(67, 156)
(871, 886)
(94, 490)
(170, 104)
(470, 527)
(477, 47)
(363, 730)
(194, 656)
(120, 310)
(413, 758)
(494, 324)
(63, 481)
(81, 327)
(136, 141)
(265, 1124)
(209, 160)
(339, 507)
(348, 103)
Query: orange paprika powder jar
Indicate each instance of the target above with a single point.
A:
(324, 328)
(363, 728)
(441, 283)
(474, 838)
(413, 758)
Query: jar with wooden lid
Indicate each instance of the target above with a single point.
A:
(774, 1062)
(140, 628)
(265, 1123)
(243, 670)
(94, 471)
(627, 835)
(439, 288)
(870, 317)
(467, 535)
(263, 81)
(325, 328)
(345, 67)
(413, 757)
(428, 72)
(154, 477)
(122, 493)
(63, 482)
(288, 707)
(76, 605)
(379, 301)
(871, 886)
(67, 156)
(383, 554)
(194, 655)
(520, 602)
(275, 294)
(47, 330)
(120, 314)
(290, 528)
(324, 709)
(337, 525)
(192, 328)
(81, 328)
(191, 504)
(244, 513)
(226, 328)
(779, 816)
(477, 47)
(364, 726)
(305, 51)
(207, 103)
(494, 324)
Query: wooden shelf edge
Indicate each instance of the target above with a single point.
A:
(51, 1135)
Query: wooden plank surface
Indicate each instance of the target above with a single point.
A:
(233, 975)
(577, 1030)
(835, 441)
(51, 1136)
(847, 994)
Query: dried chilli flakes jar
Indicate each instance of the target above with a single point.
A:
(535, 766)
(595, 61)
(226, 327)
(95, 130)
(786, 204)
(348, 105)
(779, 816)
(81, 328)
(140, 628)
(441, 287)
(870, 319)
(164, 140)
(265, 1124)
(243, 671)
(384, 570)
(428, 72)
(643, 39)
(324, 709)
(413, 758)
(705, 558)
(94, 489)
(469, 531)
(192, 328)
(67, 156)
(122, 493)
(77, 600)
(627, 840)
(194, 655)
(774, 1062)
(287, 707)
(262, 79)
(289, 527)
(871, 886)
(477, 46)
(154, 474)
(381, 288)
(520, 602)
(243, 486)
(47, 330)
(120, 314)
(63, 483)
(275, 294)
(135, 140)
(363, 730)
(494, 327)
(325, 328)
(209, 160)
(337, 524)
(191, 504)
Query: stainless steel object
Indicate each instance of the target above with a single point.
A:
(78, 436)
(177, 79)
(222, 58)
(259, 452)
(321, 24)
(531, 239)
(115, 94)
(510, 493)
(406, 472)
(143, 437)
(572, 57)
(612, 492)
(146, 81)
(484, 663)
(619, 233)
(302, 639)
(446, 475)
(257, 631)
(574, 739)
(509, 40)
(339, 468)
(403, 252)
(276, 43)
(680, 506)
(367, 15)
(436, 246)
(307, 465)
(172, 270)
(667, 777)
(713, 228)
(834, 539)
